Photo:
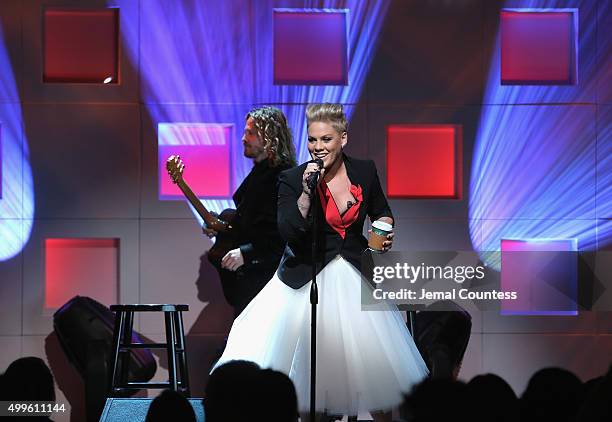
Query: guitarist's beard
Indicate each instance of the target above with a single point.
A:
(255, 152)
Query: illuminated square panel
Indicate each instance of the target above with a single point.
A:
(81, 45)
(310, 47)
(205, 150)
(543, 273)
(424, 161)
(1, 162)
(539, 47)
(85, 267)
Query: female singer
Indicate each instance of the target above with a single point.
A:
(365, 359)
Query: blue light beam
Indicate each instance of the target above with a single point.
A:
(535, 163)
(199, 64)
(17, 193)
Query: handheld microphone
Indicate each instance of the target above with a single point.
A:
(313, 178)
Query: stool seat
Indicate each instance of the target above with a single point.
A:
(149, 308)
(174, 345)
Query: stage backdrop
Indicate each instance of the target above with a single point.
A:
(487, 120)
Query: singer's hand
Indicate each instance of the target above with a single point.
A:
(387, 244)
(310, 169)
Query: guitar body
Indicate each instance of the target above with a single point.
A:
(224, 242)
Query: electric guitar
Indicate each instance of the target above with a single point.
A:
(224, 241)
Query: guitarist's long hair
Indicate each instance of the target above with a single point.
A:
(272, 127)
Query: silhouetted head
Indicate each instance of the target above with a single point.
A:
(552, 394)
(230, 391)
(596, 405)
(490, 398)
(275, 398)
(436, 400)
(170, 406)
(27, 379)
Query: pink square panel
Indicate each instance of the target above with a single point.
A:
(538, 47)
(205, 149)
(310, 47)
(81, 45)
(424, 161)
(85, 267)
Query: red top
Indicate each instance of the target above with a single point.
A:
(332, 214)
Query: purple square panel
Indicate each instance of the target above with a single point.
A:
(538, 47)
(310, 47)
(543, 273)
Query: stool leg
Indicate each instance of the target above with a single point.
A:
(119, 321)
(182, 354)
(127, 341)
(171, 348)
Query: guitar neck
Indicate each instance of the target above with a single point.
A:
(193, 199)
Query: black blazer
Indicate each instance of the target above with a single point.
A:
(295, 267)
(255, 221)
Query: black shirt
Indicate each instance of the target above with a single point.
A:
(255, 222)
(256, 233)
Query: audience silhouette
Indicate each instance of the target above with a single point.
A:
(436, 399)
(597, 400)
(28, 379)
(242, 391)
(170, 406)
(229, 393)
(551, 394)
(275, 397)
(490, 398)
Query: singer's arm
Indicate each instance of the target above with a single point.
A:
(293, 226)
(303, 204)
(313, 172)
(294, 200)
(378, 208)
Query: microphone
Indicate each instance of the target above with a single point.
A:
(313, 178)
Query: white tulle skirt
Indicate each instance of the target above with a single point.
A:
(365, 359)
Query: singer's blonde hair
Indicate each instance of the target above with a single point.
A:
(329, 113)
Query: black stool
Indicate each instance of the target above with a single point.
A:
(174, 345)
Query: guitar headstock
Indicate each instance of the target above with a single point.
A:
(175, 167)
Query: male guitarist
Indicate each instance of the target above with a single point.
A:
(258, 249)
